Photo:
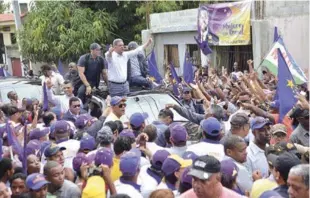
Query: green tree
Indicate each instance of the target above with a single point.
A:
(3, 6)
(62, 30)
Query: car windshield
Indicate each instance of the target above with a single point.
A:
(151, 104)
(22, 90)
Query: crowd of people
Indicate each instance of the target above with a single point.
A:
(54, 147)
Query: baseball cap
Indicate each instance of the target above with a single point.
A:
(271, 159)
(35, 181)
(127, 133)
(278, 128)
(174, 163)
(94, 188)
(33, 147)
(211, 126)
(105, 135)
(259, 122)
(189, 155)
(229, 168)
(159, 157)
(178, 133)
(115, 100)
(204, 166)
(37, 133)
(260, 186)
(62, 126)
(186, 178)
(82, 120)
(289, 147)
(132, 45)
(270, 194)
(87, 142)
(52, 149)
(130, 162)
(186, 89)
(104, 156)
(239, 119)
(285, 162)
(78, 160)
(299, 112)
(137, 119)
(94, 46)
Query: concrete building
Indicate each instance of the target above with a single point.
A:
(174, 32)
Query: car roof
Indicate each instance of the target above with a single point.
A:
(11, 81)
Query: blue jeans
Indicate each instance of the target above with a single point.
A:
(140, 81)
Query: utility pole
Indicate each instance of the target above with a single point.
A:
(18, 25)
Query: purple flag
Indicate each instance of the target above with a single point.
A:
(2, 72)
(188, 69)
(1, 151)
(204, 46)
(12, 140)
(285, 88)
(24, 160)
(45, 99)
(276, 35)
(176, 79)
(60, 67)
(153, 70)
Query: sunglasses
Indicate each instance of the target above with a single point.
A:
(122, 105)
(186, 92)
(75, 106)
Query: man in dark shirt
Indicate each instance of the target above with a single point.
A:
(90, 66)
(73, 76)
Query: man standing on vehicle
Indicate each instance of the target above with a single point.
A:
(117, 66)
(90, 66)
(56, 79)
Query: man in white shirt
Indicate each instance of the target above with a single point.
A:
(256, 158)
(56, 79)
(117, 66)
(210, 145)
(130, 168)
(178, 138)
(61, 101)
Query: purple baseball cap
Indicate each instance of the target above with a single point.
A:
(189, 155)
(174, 163)
(44, 145)
(116, 100)
(36, 181)
(78, 160)
(137, 119)
(37, 133)
(185, 178)
(130, 162)
(87, 142)
(62, 126)
(159, 157)
(104, 156)
(211, 126)
(33, 147)
(229, 168)
(82, 120)
(127, 133)
(178, 133)
(259, 122)
(52, 149)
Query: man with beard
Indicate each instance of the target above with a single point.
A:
(12, 95)
(256, 162)
(73, 76)
(301, 134)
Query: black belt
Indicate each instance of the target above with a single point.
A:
(120, 83)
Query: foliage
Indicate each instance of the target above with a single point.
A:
(3, 6)
(62, 30)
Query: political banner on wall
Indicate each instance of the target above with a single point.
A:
(225, 24)
(271, 62)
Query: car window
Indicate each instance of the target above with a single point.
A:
(4, 94)
(22, 90)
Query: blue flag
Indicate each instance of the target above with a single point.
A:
(60, 67)
(276, 35)
(153, 69)
(188, 69)
(285, 89)
(12, 140)
(176, 79)
(45, 99)
(204, 46)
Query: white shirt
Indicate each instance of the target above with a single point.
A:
(61, 101)
(256, 160)
(72, 148)
(177, 150)
(126, 189)
(148, 183)
(117, 64)
(153, 147)
(57, 81)
(205, 148)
